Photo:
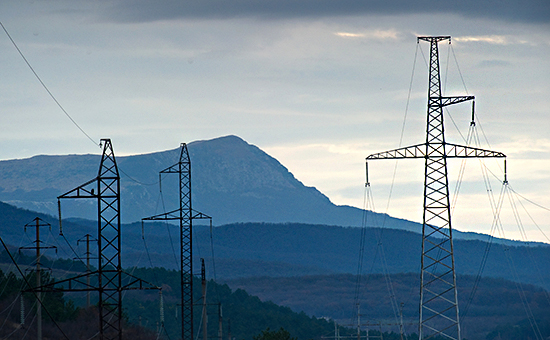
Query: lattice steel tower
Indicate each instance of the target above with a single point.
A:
(438, 295)
(185, 214)
(109, 280)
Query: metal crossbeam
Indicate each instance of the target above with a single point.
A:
(80, 283)
(438, 295)
(423, 151)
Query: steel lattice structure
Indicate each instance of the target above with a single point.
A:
(106, 188)
(438, 295)
(185, 214)
(109, 279)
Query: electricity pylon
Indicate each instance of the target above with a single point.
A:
(438, 295)
(185, 214)
(110, 280)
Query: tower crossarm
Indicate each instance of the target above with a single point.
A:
(451, 151)
(171, 215)
(85, 190)
(197, 215)
(461, 151)
(414, 151)
(80, 284)
(446, 101)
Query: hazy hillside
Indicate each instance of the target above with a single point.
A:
(496, 302)
(279, 250)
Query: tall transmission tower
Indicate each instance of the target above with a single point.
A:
(438, 294)
(110, 278)
(185, 214)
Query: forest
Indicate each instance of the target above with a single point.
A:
(247, 316)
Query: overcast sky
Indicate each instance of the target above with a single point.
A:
(318, 84)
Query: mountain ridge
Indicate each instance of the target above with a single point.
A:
(233, 181)
(289, 249)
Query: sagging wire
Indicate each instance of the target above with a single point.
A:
(368, 201)
(361, 241)
(32, 291)
(11, 306)
(458, 67)
(214, 261)
(63, 235)
(527, 212)
(462, 170)
(497, 224)
(367, 197)
(45, 87)
(523, 297)
(494, 227)
(524, 236)
(167, 224)
(145, 244)
(135, 180)
(447, 68)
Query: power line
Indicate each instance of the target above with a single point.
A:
(29, 285)
(44, 85)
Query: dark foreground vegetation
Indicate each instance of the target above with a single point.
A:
(61, 319)
(247, 315)
(495, 312)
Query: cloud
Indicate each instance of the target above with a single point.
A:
(531, 11)
(373, 35)
(492, 39)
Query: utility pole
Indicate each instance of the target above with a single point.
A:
(401, 332)
(438, 294)
(38, 222)
(88, 253)
(358, 322)
(229, 329)
(204, 313)
(220, 321)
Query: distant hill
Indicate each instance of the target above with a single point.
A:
(233, 181)
(282, 250)
(331, 249)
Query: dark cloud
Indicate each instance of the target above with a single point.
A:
(531, 11)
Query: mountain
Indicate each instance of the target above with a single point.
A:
(232, 181)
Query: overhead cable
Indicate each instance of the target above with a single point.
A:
(45, 87)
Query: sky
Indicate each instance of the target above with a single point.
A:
(317, 84)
